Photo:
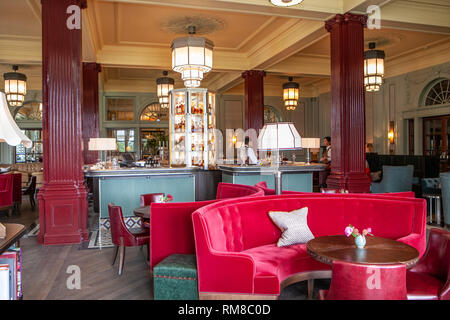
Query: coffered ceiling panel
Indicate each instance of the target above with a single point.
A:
(152, 25)
(19, 19)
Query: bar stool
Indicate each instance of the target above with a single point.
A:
(433, 207)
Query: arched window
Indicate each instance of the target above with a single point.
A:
(437, 93)
(153, 112)
(272, 114)
(29, 111)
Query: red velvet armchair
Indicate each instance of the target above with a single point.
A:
(122, 237)
(353, 281)
(149, 198)
(430, 278)
(17, 191)
(232, 190)
(6, 193)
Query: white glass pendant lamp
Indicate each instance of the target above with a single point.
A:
(192, 57)
(373, 68)
(15, 87)
(163, 87)
(285, 3)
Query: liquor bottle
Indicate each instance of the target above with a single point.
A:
(193, 147)
(182, 125)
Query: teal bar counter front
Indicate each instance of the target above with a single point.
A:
(296, 177)
(123, 187)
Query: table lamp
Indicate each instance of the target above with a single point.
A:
(310, 143)
(102, 144)
(275, 137)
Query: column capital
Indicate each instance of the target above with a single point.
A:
(93, 65)
(253, 73)
(345, 18)
(81, 3)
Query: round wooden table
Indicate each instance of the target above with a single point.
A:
(377, 251)
(143, 212)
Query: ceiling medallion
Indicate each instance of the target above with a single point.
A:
(203, 25)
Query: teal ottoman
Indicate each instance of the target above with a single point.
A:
(175, 278)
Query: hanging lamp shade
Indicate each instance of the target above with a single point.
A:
(163, 86)
(285, 3)
(291, 92)
(373, 68)
(192, 57)
(15, 87)
(9, 131)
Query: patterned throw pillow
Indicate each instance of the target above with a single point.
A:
(294, 226)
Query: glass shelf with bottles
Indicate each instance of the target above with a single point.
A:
(191, 127)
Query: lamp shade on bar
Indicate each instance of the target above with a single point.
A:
(102, 144)
(279, 136)
(9, 131)
(311, 143)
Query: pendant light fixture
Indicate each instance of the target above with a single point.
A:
(15, 87)
(192, 57)
(373, 68)
(291, 94)
(285, 3)
(9, 131)
(163, 86)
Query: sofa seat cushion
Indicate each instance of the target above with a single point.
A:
(422, 286)
(175, 278)
(276, 264)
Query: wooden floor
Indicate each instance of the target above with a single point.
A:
(44, 268)
(45, 273)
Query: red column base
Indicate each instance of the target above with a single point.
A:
(353, 182)
(62, 214)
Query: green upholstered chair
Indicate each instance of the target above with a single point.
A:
(395, 179)
(175, 278)
(445, 189)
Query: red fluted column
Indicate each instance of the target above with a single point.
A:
(347, 103)
(90, 109)
(62, 198)
(254, 99)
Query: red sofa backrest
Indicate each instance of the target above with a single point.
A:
(269, 192)
(231, 190)
(171, 229)
(239, 224)
(6, 189)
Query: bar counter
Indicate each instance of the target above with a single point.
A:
(296, 176)
(123, 187)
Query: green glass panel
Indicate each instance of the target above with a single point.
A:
(126, 191)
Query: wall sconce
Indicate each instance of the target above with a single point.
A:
(234, 140)
(391, 132)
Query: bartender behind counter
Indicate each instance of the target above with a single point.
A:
(249, 154)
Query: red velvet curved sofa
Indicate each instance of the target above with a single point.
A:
(237, 255)
(171, 229)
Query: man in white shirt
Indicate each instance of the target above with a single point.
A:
(249, 154)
